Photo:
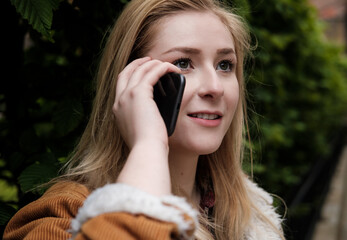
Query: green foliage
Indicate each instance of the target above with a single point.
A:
(39, 13)
(45, 100)
(6, 212)
(297, 88)
(44, 167)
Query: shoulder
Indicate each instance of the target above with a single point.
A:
(62, 199)
(260, 198)
(67, 189)
(265, 222)
(63, 196)
(50, 214)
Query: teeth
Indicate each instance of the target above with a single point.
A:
(205, 116)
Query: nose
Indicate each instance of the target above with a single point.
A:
(210, 85)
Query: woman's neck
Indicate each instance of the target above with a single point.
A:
(183, 171)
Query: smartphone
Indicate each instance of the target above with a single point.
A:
(168, 93)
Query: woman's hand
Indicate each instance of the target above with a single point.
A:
(137, 115)
(142, 126)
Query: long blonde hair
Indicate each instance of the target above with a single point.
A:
(101, 152)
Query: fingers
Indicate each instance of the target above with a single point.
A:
(150, 72)
(143, 71)
(127, 73)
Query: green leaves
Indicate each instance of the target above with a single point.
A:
(68, 116)
(42, 170)
(299, 92)
(45, 101)
(6, 212)
(39, 14)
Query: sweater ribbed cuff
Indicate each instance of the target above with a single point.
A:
(124, 198)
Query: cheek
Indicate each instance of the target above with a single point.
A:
(187, 94)
(232, 99)
(232, 95)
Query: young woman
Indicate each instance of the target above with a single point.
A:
(127, 179)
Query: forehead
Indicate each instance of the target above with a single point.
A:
(192, 29)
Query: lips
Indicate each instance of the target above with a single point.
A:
(205, 116)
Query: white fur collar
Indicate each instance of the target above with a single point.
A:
(259, 229)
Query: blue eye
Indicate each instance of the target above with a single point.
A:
(225, 65)
(183, 63)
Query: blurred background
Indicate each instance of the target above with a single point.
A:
(297, 101)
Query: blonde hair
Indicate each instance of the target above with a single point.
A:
(101, 152)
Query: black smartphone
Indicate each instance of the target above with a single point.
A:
(168, 93)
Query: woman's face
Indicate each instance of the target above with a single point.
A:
(201, 45)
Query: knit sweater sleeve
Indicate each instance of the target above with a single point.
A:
(49, 216)
(115, 211)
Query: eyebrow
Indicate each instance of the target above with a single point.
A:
(226, 51)
(189, 50)
(183, 50)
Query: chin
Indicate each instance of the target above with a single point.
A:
(196, 146)
(207, 149)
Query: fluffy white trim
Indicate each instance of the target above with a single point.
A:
(258, 228)
(124, 198)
